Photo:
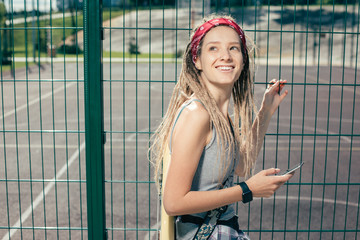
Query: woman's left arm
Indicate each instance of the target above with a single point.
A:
(271, 101)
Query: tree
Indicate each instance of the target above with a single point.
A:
(2, 13)
(4, 53)
(69, 45)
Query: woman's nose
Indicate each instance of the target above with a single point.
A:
(225, 55)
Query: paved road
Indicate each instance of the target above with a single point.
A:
(44, 17)
(313, 114)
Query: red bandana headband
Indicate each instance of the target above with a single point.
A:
(207, 26)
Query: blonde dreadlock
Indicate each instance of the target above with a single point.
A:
(189, 83)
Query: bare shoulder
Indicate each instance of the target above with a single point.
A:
(197, 110)
(195, 114)
(194, 120)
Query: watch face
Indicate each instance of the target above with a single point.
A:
(247, 197)
(247, 194)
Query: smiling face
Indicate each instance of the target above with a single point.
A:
(221, 59)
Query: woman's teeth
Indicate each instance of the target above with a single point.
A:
(225, 68)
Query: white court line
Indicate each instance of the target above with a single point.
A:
(345, 88)
(314, 199)
(39, 198)
(324, 131)
(132, 147)
(32, 102)
(294, 198)
(152, 233)
(132, 137)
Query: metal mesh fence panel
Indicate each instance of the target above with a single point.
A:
(42, 173)
(312, 44)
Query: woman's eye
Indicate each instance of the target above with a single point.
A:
(235, 48)
(212, 48)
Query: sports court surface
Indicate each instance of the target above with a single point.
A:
(42, 163)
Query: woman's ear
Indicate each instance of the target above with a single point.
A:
(198, 64)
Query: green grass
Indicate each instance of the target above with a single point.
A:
(106, 54)
(115, 12)
(21, 43)
(62, 28)
(7, 68)
(18, 65)
(141, 55)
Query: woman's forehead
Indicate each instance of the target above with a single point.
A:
(222, 34)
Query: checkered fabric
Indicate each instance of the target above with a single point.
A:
(222, 232)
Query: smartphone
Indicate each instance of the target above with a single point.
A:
(296, 167)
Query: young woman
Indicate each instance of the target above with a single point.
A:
(208, 147)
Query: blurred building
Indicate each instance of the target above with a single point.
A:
(64, 5)
(67, 4)
(115, 3)
(196, 5)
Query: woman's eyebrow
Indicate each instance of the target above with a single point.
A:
(218, 42)
(213, 42)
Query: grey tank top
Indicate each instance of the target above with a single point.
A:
(206, 178)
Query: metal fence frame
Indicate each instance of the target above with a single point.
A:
(94, 125)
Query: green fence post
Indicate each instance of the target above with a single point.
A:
(94, 127)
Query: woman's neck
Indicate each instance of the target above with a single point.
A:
(221, 97)
(223, 104)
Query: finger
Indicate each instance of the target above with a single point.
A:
(282, 84)
(286, 177)
(290, 175)
(283, 95)
(271, 171)
(274, 80)
(274, 87)
(271, 83)
(279, 85)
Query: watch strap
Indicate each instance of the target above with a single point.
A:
(247, 194)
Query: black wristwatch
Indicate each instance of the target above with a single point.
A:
(247, 194)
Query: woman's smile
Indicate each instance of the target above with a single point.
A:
(225, 68)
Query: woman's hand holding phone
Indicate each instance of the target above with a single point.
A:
(265, 183)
